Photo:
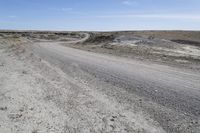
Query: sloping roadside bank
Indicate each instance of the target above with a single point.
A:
(38, 97)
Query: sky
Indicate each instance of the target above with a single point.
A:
(100, 15)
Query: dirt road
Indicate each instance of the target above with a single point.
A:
(83, 39)
(36, 96)
(48, 87)
(170, 96)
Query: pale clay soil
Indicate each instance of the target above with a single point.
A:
(36, 97)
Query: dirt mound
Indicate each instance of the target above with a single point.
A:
(100, 38)
(194, 43)
(42, 36)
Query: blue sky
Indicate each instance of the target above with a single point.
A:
(100, 14)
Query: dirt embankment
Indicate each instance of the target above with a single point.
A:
(177, 48)
(44, 36)
(36, 96)
(96, 38)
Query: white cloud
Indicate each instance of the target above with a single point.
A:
(129, 2)
(126, 2)
(12, 16)
(66, 9)
(155, 16)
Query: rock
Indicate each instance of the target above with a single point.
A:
(112, 119)
(3, 108)
(24, 72)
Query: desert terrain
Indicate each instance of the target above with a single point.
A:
(126, 81)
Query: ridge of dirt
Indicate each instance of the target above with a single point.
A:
(174, 48)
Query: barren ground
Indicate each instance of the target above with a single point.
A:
(128, 82)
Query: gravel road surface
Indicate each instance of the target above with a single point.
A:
(170, 96)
